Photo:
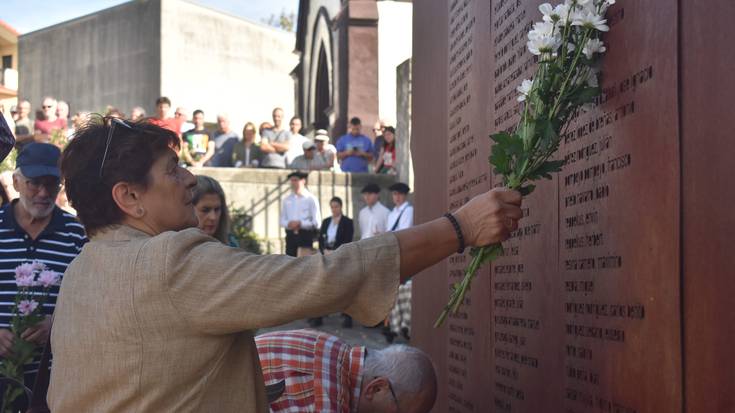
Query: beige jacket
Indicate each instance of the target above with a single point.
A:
(165, 323)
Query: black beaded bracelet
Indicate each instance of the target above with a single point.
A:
(458, 230)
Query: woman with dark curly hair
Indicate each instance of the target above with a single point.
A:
(156, 316)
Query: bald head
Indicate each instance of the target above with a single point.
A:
(402, 370)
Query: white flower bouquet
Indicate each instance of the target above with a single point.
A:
(567, 43)
(34, 282)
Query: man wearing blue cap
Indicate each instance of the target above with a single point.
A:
(33, 228)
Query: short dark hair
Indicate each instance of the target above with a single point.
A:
(337, 200)
(355, 121)
(163, 99)
(196, 112)
(130, 156)
(390, 129)
(371, 188)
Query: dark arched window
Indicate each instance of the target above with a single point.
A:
(323, 101)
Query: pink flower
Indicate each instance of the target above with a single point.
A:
(26, 307)
(38, 266)
(24, 270)
(48, 278)
(24, 275)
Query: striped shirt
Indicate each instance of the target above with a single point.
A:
(58, 244)
(323, 374)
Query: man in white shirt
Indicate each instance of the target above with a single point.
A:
(401, 217)
(300, 217)
(296, 142)
(374, 217)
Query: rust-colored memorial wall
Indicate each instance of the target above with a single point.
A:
(615, 293)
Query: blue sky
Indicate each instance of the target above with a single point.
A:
(29, 15)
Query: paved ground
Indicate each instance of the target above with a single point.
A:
(357, 335)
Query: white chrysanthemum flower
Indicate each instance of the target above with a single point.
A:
(593, 46)
(590, 21)
(541, 29)
(524, 89)
(546, 9)
(544, 44)
(558, 15)
(561, 10)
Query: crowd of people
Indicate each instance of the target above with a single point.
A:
(271, 144)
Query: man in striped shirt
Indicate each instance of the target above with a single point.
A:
(324, 374)
(33, 228)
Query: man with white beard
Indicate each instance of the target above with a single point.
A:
(34, 229)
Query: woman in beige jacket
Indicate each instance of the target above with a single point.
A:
(156, 316)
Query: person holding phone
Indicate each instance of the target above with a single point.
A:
(354, 150)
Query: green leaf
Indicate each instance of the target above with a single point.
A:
(515, 147)
(548, 134)
(500, 159)
(526, 130)
(502, 138)
(584, 95)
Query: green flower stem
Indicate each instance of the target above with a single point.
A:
(564, 85)
(459, 290)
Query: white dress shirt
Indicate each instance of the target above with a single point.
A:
(303, 208)
(373, 220)
(332, 231)
(403, 214)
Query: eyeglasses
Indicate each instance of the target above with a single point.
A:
(113, 122)
(52, 185)
(393, 394)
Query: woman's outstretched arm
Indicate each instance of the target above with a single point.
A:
(486, 219)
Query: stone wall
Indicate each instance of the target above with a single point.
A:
(131, 54)
(260, 191)
(220, 63)
(111, 57)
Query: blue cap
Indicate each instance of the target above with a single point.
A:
(39, 159)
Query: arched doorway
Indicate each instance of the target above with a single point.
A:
(323, 96)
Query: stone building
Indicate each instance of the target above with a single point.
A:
(8, 66)
(129, 55)
(349, 51)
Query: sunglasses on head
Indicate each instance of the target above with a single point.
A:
(113, 122)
